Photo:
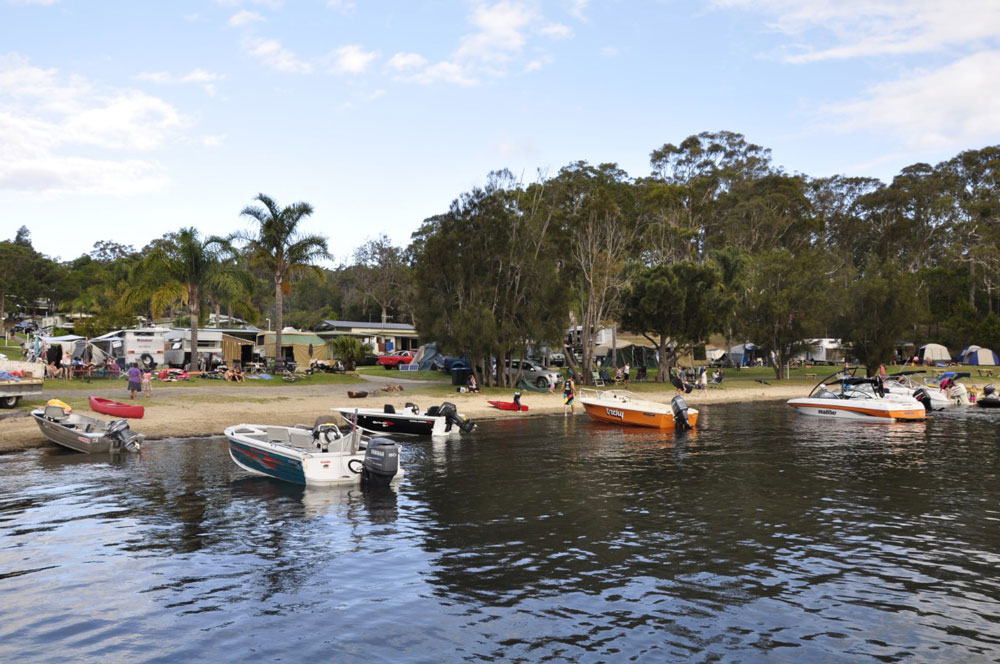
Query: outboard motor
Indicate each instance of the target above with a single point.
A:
(680, 409)
(381, 462)
(121, 437)
(450, 413)
(989, 390)
(920, 394)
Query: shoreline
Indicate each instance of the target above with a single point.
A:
(206, 410)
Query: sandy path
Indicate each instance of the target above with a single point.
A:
(206, 409)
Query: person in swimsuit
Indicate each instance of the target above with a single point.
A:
(569, 392)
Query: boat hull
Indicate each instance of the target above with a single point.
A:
(116, 409)
(76, 432)
(868, 410)
(297, 465)
(400, 423)
(635, 417)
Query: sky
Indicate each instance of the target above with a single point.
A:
(126, 120)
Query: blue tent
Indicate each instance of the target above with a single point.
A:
(977, 355)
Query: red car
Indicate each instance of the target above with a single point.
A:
(393, 360)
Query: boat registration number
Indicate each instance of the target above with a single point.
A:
(615, 413)
(825, 411)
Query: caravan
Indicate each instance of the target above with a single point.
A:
(144, 347)
(178, 342)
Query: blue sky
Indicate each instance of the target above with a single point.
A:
(125, 120)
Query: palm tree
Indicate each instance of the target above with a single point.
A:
(183, 267)
(277, 246)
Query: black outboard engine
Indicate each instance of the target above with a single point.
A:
(381, 462)
(920, 394)
(121, 437)
(450, 413)
(680, 408)
(989, 391)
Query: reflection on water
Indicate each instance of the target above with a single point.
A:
(762, 535)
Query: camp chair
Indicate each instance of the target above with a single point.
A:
(597, 379)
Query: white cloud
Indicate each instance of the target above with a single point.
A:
(46, 120)
(862, 28)
(406, 61)
(609, 52)
(447, 72)
(340, 5)
(271, 4)
(557, 31)
(501, 31)
(946, 108)
(350, 59)
(205, 79)
(244, 17)
(213, 141)
(577, 9)
(275, 56)
(44, 3)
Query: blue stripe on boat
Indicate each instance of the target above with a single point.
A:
(289, 470)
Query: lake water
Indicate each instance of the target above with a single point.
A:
(765, 535)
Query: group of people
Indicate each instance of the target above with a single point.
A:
(139, 381)
(234, 374)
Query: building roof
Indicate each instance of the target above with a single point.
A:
(366, 325)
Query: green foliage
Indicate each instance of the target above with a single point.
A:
(787, 301)
(348, 350)
(880, 308)
(681, 303)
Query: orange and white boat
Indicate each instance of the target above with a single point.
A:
(629, 409)
(854, 398)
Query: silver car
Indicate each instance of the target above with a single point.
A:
(533, 372)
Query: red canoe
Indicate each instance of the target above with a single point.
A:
(116, 409)
(507, 405)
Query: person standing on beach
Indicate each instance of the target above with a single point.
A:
(147, 383)
(569, 392)
(134, 379)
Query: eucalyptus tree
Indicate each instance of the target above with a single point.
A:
(880, 307)
(676, 307)
(278, 245)
(381, 275)
(787, 300)
(184, 267)
(702, 169)
(487, 274)
(597, 209)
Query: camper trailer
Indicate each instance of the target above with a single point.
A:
(144, 346)
(178, 343)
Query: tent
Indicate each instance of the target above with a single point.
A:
(427, 356)
(978, 355)
(295, 346)
(744, 355)
(933, 353)
(635, 355)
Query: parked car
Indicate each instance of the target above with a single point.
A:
(557, 359)
(533, 372)
(447, 363)
(394, 359)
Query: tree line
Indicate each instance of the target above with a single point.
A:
(717, 239)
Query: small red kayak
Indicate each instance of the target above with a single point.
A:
(507, 405)
(116, 409)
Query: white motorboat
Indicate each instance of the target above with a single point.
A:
(939, 394)
(440, 420)
(330, 453)
(853, 398)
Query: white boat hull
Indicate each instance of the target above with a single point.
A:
(868, 410)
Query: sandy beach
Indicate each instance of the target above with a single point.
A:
(206, 409)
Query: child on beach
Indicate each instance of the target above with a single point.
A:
(147, 383)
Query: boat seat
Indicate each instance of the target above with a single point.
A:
(54, 413)
(278, 435)
(389, 409)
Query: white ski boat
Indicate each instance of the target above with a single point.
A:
(853, 398)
